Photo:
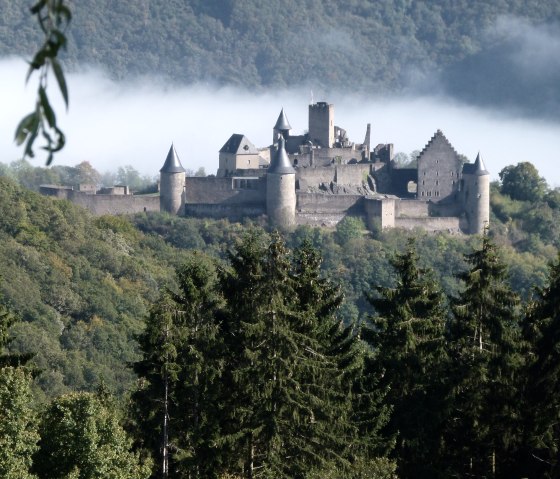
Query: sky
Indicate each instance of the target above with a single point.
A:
(113, 124)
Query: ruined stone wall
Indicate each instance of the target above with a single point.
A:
(321, 124)
(337, 156)
(381, 173)
(341, 174)
(214, 190)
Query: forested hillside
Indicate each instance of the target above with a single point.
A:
(487, 52)
(250, 345)
(82, 285)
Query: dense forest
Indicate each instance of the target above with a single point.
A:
(250, 343)
(153, 346)
(486, 52)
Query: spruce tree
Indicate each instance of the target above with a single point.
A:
(351, 383)
(286, 404)
(407, 337)
(484, 343)
(155, 401)
(542, 392)
(178, 404)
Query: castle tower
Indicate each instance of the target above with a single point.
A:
(321, 124)
(476, 195)
(281, 190)
(282, 127)
(172, 184)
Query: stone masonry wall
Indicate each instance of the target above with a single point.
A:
(233, 212)
(412, 208)
(211, 190)
(115, 204)
(341, 174)
(324, 203)
(448, 224)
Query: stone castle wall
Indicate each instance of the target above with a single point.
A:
(322, 203)
(114, 204)
(320, 219)
(214, 190)
(448, 224)
(324, 157)
(341, 174)
(234, 212)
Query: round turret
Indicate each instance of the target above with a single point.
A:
(172, 184)
(477, 196)
(281, 190)
(282, 127)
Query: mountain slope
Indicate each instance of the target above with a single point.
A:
(481, 50)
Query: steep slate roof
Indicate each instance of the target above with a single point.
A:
(281, 163)
(172, 163)
(239, 145)
(282, 123)
(477, 168)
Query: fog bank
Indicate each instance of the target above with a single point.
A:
(133, 123)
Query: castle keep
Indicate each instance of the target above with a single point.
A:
(318, 178)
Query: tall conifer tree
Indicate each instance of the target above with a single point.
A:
(407, 336)
(178, 405)
(485, 369)
(542, 394)
(289, 411)
(352, 384)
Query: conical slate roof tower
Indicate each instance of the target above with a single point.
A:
(281, 190)
(172, 184)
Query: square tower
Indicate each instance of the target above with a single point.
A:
(321, 124)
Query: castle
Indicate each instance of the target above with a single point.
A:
(317, 178)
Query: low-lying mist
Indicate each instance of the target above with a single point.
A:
(133, 123)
